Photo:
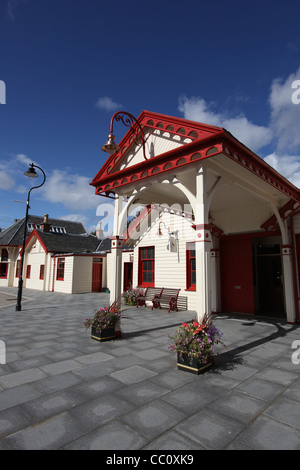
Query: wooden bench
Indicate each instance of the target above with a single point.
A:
(160, 296)
(149, 294)
(167, 298)
(182, 303)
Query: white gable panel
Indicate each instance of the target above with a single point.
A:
(156, 143)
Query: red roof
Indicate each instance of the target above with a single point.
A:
(195, 131)
(205, 141)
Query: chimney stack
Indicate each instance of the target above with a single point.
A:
(45, 226)
(99, 231)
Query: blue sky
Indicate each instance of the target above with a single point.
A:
(68, 65)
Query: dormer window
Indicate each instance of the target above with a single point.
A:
(57, 229)
(31, 227)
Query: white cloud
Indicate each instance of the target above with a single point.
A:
(11, 169)
(6, 182)
(285, 115)
(252, 135)
(285, 122)
(23, 159)
(107, 104)
(282, 133)
(74, 218)
(72, 191)
(286, 165)
(11, 7)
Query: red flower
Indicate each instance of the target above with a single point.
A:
(200, 328)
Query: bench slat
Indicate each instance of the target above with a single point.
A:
(162, 296)
(168, 298)
(149, 293)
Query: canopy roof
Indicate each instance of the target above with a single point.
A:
(173, 144)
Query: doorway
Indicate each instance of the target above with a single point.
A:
(97, 275)
(252, 276)
(268, 277)
(237, 275)
(128, 271)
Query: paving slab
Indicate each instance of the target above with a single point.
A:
(210, 429)
(59, 389)
(268, 434)
(113, 436)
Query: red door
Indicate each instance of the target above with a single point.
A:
(97, 277)
(237, 275)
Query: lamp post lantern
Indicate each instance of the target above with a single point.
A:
(129, 121)
(31, 173)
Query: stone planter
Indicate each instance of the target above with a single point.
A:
(103, 335)
(194, 365)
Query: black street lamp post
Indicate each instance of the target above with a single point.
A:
(31, 173)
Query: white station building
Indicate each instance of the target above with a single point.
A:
(217, 222)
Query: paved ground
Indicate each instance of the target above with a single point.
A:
(61, 390)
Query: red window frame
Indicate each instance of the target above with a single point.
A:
(42, 271)
(18, 268)
(4, 254)
(4, 263)
(147, 266)
(28, 271)
(191, 266)
(60, 272)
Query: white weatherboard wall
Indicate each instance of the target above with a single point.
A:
(34, 258)
(64, 285)
(77, 276)
(170, 267)
(82, 274)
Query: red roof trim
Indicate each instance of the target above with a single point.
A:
(159, 122)
(34, 233)
(178, 157)
(222, 140)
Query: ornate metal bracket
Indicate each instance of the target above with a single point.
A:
(127, 120)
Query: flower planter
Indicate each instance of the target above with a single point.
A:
(192, 365)
(103, 335)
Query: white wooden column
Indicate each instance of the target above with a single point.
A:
(116, 255)
(287, 266)
(203, 245)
